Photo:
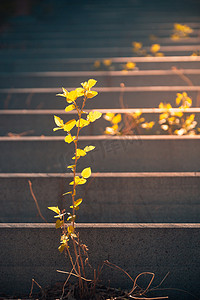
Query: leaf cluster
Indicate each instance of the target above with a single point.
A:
(72, 129)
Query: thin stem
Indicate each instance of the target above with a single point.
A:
(76, 158)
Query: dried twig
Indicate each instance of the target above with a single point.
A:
(34, 281)
(36, 203)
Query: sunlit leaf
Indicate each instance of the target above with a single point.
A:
(82, 123)
(72, 96)
(59, 122)
(60, 215)
(89, 148)
(82, 181)
(93, 116)
(86, 173)
(109, 116)
(80, 92)
(155, 48)
(67, 193)
(80, 152)
(69, 125)
(71, 167)
(71, 217)
(69, 139)
(91, 83)
(70, 107)
(77, 203)
(117, 119)
(55, 209)
(91, 94)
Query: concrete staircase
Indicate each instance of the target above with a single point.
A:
(142, 205)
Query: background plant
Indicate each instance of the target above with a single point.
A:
(130, 124)
(181, 31)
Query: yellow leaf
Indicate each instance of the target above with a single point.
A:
(69, 139)
(130, 65)
(55, 209)
(117, 119)
(109, 116)
(91, 94)
(93, 116)
(70, 107)
(77, 203)
(69, 125)
(91, 83)
(67, 193)
(155, 48)
(85, 85)
(86, 173)
(77, 179)
(70, 229)
(107, 62)
(65, 93)
(80, 152)
(89, 148)
(71, 167)
(82, 181)
(110, 130)
(137, 45)
(62, 247)
(59, 223)
(57, 128)
(82, 123)
(72, 96)
(59, 122)
(80, 92)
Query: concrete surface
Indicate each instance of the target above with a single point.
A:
(112, 154)
(107, 197)
(30, 251)
(108, 98)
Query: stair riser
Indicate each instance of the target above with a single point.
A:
(43, 65)
(23, 81)
(104, 100)
(134, 154)
(33, 254)
(43, 124)
(154, 198)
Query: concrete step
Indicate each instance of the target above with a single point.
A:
(112, 154)
(104, 78)
(28, 122)
(122, 32)
(108, 98)
(94, 42)
(107, 197)
(158, 248)
(92, 52)
(141, 22)
(143, 63)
